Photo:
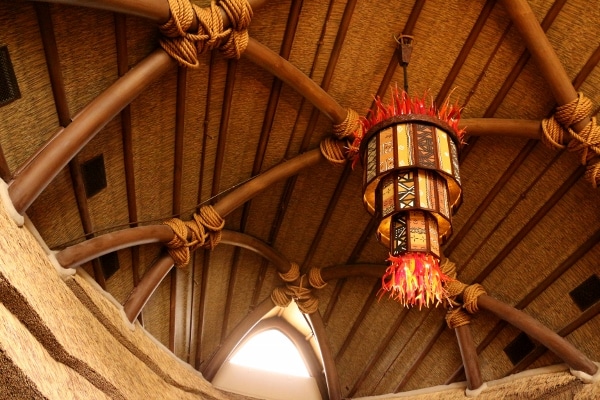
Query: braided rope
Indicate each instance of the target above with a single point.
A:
(292, 274)
(204, 231)
(283, 295)
(315, 279)
(586, 142)
(348, 126)
(458, 313)
(185, 46)
(332, 152)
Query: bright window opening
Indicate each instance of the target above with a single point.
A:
(271, 351)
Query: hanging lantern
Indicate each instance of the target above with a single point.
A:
(411, 183)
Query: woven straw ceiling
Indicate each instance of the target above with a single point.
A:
(528, 229)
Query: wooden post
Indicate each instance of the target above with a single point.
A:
(468, 352)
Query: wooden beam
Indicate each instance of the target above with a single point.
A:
(562, 348)
(383, 346)
(141, 293)
(537, 217)
(331, 374)
(544, 55)
(284, 70)
(465, 50)
(468, 353)
(56, 154)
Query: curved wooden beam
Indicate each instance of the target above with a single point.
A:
(557, 344)
(155, 10)
(57, 153)
(288, 73)
(140, 294)
(331, 374)
(80, 253)
(233, 339)
(544, 55)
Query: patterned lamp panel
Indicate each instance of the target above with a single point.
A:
(410, 145)
(414, 231)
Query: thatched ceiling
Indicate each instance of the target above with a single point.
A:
(528, 228)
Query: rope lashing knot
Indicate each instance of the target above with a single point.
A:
(307, 303)
(204, 230)
(185, 46)
(292, 274)
(332, 151)
(315, 279)
(586, 142)
(458, 313)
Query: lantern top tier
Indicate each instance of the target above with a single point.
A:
(410, 142)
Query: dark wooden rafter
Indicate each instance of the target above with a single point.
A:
(532, 295)
(379, 352)
(533, 221)
(331, 206)
(37, 174)
(43, 14)
(490, 197)
(272, 102)
(331, 374)
(465, 50)
(358, 247)
(409, 26)
(201, 308)
(180, 108)
(358, 321)
(464, 263)
(551, 67)
(417, 363)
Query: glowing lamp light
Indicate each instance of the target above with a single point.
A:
(411, 183)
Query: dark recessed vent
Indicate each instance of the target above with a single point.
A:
(519, 348)
(586, 294)
(9, 89)
(94, 175)
(110, 264)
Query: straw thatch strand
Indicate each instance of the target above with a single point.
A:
(185, 46)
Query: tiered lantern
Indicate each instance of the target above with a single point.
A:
(411, 183)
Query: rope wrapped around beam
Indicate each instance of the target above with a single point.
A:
(586, 142)
(460, 313)
(282, 296)
(204, 230)
(349, 130)
(185, 46)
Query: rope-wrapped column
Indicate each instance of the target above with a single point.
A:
(345, 142)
